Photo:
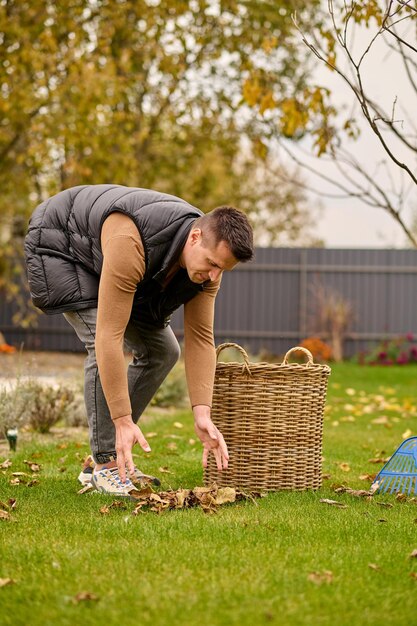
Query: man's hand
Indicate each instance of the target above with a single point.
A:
(211, 437)
(127, 434)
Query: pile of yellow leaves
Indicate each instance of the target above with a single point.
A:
(208, 498)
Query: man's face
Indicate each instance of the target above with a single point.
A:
(208, 261)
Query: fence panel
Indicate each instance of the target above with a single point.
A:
(270, 304)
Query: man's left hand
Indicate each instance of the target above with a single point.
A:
(211, 437)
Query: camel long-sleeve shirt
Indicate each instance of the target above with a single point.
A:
(123, 268)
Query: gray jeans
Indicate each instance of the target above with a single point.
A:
(154, 353)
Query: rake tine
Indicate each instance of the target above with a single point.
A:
(405, 464)
(381, 487)
(393, 464)
(396, 484)
(386, 483)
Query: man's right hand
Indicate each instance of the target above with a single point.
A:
(127, 434)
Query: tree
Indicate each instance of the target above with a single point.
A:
(141, 92)
(386, 29)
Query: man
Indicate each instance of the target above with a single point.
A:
(117, 261)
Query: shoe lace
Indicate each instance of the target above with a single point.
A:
(116, 480)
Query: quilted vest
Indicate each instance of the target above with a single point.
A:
(64, 257)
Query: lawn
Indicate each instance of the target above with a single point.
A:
(284, 559)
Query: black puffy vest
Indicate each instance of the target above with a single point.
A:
(63, 249)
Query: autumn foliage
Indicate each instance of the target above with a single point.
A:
(318, 348)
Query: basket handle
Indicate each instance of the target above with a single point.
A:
(243, 352)
(299, 349)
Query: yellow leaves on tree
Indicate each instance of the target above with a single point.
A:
(251, 91)
(256, 94)
(364, 12)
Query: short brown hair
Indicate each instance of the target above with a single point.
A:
(225, 223)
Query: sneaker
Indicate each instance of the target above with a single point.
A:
(108, 481)
(87, 471)
(139, 477)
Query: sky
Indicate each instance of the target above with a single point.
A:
(349, 223)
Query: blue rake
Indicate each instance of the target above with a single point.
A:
(399, 474)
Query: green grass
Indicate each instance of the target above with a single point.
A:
(247, 565)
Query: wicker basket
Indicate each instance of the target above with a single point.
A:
(271, 416)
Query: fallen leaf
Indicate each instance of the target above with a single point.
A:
(165, 470)
(118, 504)
(340, 505)
(4, 515)
(318, 578)
(6, 464)
(374, 487)
(34, 467)
(345, 467)
(84, 596)
(407, 433)
(369, 477)
(382, 520)
(191, 442)
(33, 482)
(401, 497)
(178, 425)
(413, 575)
(104, 510)
(17, 481)
(63, 469)
(18, 474)
(326, 476)
(150, 435)
(386, 505)
(86, 489)
(413, 555)
(378, 460)
(172, 446)
(7, 581)
(359, 493)
(225, 494)
(374, 566)
(380, 420)
(181, 497)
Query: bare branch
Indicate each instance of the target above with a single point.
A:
(407, 3)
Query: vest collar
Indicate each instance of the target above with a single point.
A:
(175, 250)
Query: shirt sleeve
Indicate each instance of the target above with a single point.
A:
(123, 268)
(199, 350)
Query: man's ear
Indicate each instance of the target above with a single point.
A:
(195, 235)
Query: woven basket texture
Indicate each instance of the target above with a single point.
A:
(271, 416)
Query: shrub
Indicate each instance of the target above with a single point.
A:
(398, 351)
(14, 403)
(76, 414)
(29, 402)
(318, 348)
(49, 405)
